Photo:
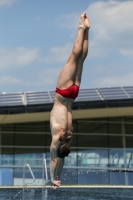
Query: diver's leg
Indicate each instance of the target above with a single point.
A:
(81, 60)
(67, 74)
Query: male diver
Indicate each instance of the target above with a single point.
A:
(66, 91)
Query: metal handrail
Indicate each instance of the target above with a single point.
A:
(27, 165)
(46, 173)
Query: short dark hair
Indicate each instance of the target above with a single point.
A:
(63, 150)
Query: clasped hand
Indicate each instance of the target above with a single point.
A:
(56, 183)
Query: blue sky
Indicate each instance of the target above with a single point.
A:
(36, 38)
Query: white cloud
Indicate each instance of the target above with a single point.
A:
(8, 80)
(21, 56)
(7, 2)
(47, 76)
(15, 57)
(58, 54)
(111, 75)
(38, 78)
(112, 27)
(115, 80)
(126, 52)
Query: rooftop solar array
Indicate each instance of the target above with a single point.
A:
(89, 95)
(11, 99)
(114, 93)
(52, 94)
(47, 97)
(129, 91)
(38, 98)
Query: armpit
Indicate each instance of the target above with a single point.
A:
(69, 137)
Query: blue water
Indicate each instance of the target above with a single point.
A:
(66, 194)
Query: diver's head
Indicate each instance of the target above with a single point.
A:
(63, 150)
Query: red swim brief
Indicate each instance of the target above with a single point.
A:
(70, 93)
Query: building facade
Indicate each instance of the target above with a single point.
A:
(102, 146)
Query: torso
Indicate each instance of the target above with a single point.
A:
(61, 119)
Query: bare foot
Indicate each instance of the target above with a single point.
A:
(84, 21)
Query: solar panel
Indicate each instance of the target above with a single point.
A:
(37, 98)
(10, 99)
(52, 95)
(88, 95)
(113, 93)
(45, 97)
(129, 91)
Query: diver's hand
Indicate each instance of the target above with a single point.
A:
(56, 183)
(54, 186)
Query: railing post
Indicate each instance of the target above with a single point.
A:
(46, 173)
(27, 165)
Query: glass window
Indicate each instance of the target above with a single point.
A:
(31, 127)
(115, 141)
(7, 156)
(121, 158)
(7, 127)
(7, 138)
(114, 128)
(28, 139)
(116, 158)
(92, 126)
(129, 162)
(48, 139)
(129, 141)
(129, 128)
(128, 119)
(74, 140)
(92, 140)
(71, 160)
(29, 156)
(93, 158)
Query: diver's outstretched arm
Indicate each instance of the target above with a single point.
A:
(59, 167)
(54, 161)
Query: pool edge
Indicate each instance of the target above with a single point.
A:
(75, 186)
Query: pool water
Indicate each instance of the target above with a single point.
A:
(67, 194)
